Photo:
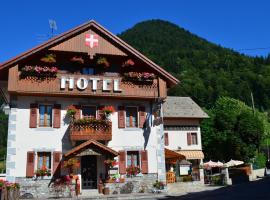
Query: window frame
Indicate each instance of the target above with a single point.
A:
(132, 160)
(137, 121)
(192, 138)
(96, 108)
(44, 161)
(45, 115)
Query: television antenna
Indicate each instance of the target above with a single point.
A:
(44, 37)
(53, 26)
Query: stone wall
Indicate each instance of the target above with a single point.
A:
(39, 188)
(141, 184)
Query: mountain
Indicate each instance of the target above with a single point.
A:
(206, 70)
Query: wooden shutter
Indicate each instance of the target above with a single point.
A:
(189, 138)
(144, 162)
(33, 115)
(122, 162)
(166, 139)
(56, 160)
(78, 112)
(57, 116)
(141, 116)
(30, 164)
(99, 112)
(121, 117)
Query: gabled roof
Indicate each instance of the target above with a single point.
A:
(90, 143)
(182, 107)
(56, 40)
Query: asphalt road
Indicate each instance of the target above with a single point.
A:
(255, 190)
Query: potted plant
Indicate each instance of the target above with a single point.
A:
(132, 171)
(107, 111)
(77, 59)
(159, 185)
(49, 58)
(102, 61)
(128, 62)
(43, 171)
(110, 162)
(71, 164)
(71, 112)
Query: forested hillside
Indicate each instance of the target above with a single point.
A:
(206, 70)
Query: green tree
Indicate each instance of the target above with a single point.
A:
(233, 131)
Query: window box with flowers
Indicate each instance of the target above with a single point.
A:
(128, 63)
(139, 77)
(107, 111)
(103, 62)
(133, 171)
(38, 72)
(42, 172)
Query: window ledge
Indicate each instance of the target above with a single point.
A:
(132, 129)
(44, 129)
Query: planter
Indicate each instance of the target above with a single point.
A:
(100, 188)
(106, 191)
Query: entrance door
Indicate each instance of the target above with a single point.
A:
(89, 172)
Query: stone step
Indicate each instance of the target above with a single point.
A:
(89, 193)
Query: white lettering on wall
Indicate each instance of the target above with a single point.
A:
(82, 83)
(116, 83)
(69, 80)
(105, 84)
(94, 83)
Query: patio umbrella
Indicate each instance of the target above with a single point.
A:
(209, 164)
(232, 163)
(219, 164)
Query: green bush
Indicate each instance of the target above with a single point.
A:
(187, 178)
(259, 161)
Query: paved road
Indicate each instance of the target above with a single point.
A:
(255, 190)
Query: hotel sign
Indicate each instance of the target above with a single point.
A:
(82, 83)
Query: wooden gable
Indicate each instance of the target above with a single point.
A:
(77, 43)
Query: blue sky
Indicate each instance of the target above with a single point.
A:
(236, 24)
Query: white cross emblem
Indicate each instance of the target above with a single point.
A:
(91, 40)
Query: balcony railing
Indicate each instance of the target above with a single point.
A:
(99, 132)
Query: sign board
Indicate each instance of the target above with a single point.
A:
(184, 169)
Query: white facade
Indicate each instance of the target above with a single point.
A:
(177, 139)
(48, 139)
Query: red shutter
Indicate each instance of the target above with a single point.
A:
(57, 116)
(122, 162)
(144, 162)
(166, 139)
(78, 112)
(99, 112)
(189, 138)
(121, 117)
(141, 116)
(33, 115)
(56, 160)
(30, 164)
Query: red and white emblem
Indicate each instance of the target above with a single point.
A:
(91, 40)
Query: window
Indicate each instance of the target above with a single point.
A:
(45, 115)
(133, 159)
(131, 117)
(44, 160)
(194, 139)
(89, 111)
(87, 70)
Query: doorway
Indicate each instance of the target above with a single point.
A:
(89, 172)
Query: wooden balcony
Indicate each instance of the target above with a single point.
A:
(90, 131)
(52, 87)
